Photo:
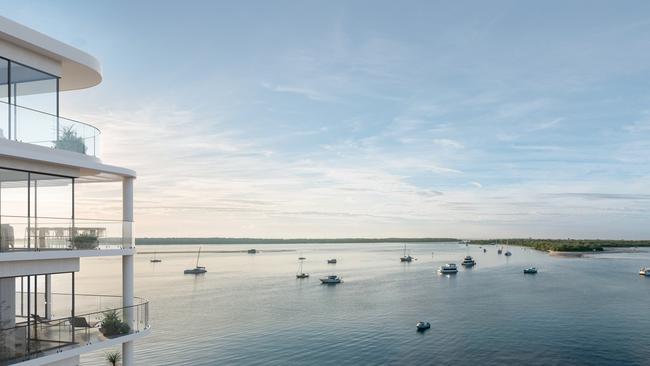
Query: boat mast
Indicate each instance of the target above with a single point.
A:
(197, 257)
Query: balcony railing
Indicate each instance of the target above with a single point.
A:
(41, 128)
(43, 337)
(20, 233)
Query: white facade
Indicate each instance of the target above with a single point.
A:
(44, 160)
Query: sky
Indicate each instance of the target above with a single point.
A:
(304, 119)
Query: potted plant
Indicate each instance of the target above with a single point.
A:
(113, 357)
(69, 140)
(85, 241)
(112, 325)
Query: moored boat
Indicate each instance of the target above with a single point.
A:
(331, 261)
(644, 271)
(198, 269)
(468, 261)
(423, 325)
(406, 258)
(530, 270)
(331, 280)
(300, 273)
(449, 268)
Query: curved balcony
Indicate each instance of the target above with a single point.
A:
(102, 319)
(40, 128)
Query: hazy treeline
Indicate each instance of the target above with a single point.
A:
(567, 245)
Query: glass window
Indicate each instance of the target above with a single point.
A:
(13, 209)
(34, 105)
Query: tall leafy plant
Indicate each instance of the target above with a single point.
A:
(69, 140)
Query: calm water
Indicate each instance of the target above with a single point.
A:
(251, 310)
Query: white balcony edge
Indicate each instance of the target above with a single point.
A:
(62, 254)
(23, 150)
(77, 351)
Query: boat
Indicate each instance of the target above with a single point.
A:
(423, 325)
(154, 259)
(331, 280)
(507, 253)
(530, 270)
(300, 273)
(449, 268)
(484, 250)
(644, 271)
(468, 261)
(331, 261)
(252, 251)
(406, 258)
(500, 250)
(198, 269)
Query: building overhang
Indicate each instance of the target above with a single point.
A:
(77, 69)
(18, 155)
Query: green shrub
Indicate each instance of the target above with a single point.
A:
(112, 325)
(70, 141)
(85, 241)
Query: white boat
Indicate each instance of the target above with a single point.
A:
(468, 261)
(406, 258)
(331, 280)
(644, 271)
(449, 268)
(198, 269)
(154, 259)
(331, 261)
(300, 273)
(530, 270)
(423, 325)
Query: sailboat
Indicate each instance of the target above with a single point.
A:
(154, 259)
(300, 273)
(198, 269)
(507, 253)
(406, 258)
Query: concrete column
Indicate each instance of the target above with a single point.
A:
(48, 296)
(127, 265)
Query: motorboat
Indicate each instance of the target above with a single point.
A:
(644, 271)
(252, 251)
(468, 261)
(500, 251)
(530, 270)
(423, 325)
(507, 253)
(331, 280)
(198, 269)
(331, 261)
(484, 250)
(449, 268)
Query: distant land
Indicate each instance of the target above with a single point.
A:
(557, 245)
(159, 241)
(567, 245)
